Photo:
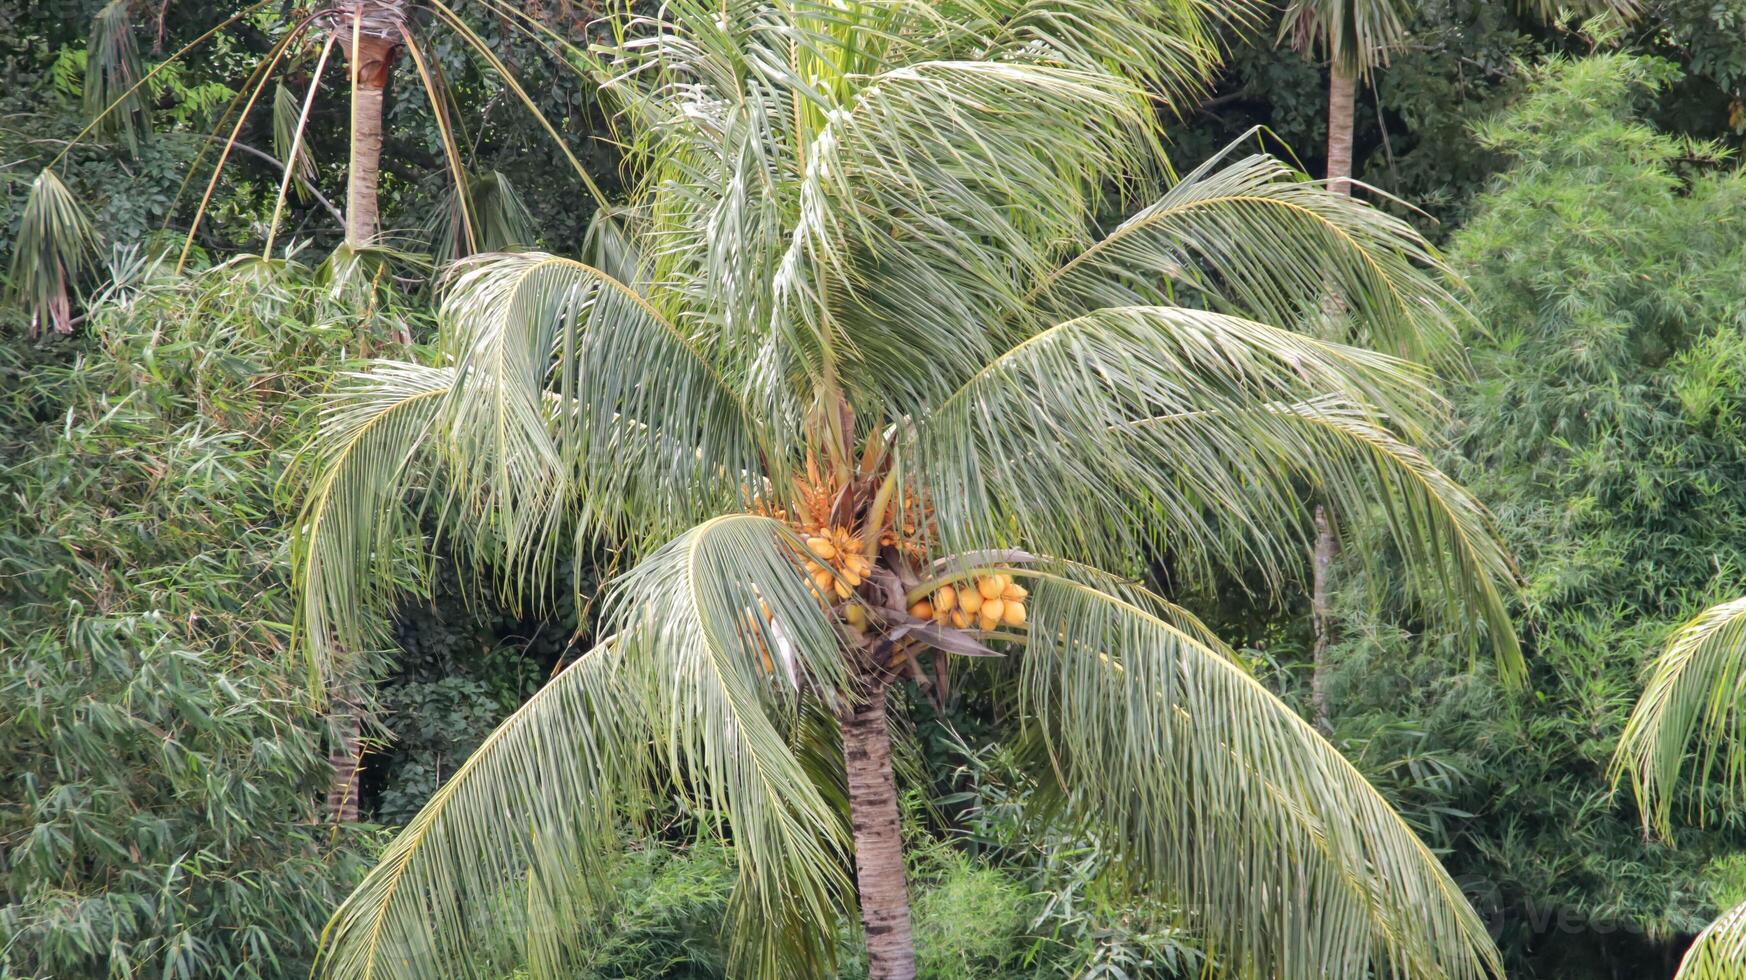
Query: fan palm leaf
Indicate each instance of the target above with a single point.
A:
(55, 246)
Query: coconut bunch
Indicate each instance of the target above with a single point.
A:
(987, 602)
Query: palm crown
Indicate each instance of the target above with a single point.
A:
(869, 376)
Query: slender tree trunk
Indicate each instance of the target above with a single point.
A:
(1342, 103)
(371, 63)
(878, 843)
(1342, 107)
(346, 757)
(1327, 546)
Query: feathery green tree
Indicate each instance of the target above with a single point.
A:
(866, 382)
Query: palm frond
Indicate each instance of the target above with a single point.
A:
(113, 98)
(1718, 951)
(287, 144)
(1447, 541)
(647, 435)
(1045, 442)
(1356, 35)
(1696, 692)
(721, 677)
(1255, 238)
(356, 528)
(506, 855)
(55, 246)
(490, 209)
(1223, 798)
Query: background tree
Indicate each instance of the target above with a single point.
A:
(841, 461)
(1600, 421)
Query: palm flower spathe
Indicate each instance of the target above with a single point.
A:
(860, 376)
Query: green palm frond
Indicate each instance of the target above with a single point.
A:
(55, 246)
(1356, 35)
(1696, 692)
(356, 528)
(1255, 238)
(498, 219)
(648, 433)
(114, 101)
(506, 855)
(287, 145)
(1446, 539)
(722, 682)
(1291, 864)
(1718, 951)
(1046, 440)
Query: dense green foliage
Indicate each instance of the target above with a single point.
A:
(162, 768)
(161, 773)
(1602, 425)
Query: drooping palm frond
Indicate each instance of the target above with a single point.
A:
(55, 245)
(647, 434)
(1696, 692)
(356, 528)
(1356, 35)
(288, 146)
(1255, 238)
(722, 682)
(1719, 951)
(486, 215)
(506, 855)
(1447, 541)
(1221, 796)
(1046, 441)
(113, 98)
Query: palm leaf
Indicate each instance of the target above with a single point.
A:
(1719, 950)
(647, 434)
(1696, 691)
(1229, 803)
(1356, 35)
(355, 529)
(113, 98)
(507, 852)
(691, 618)
(1254, 238)
(491, 208)
(55, 246)
(288, 145)
(1045, 441)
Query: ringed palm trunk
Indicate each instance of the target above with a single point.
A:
(1342, 104)
(879, 874)
(372, 59)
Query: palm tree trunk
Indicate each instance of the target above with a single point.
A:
(346, 757)
(371, 62)
(878, 842)
(1327, 546)
(1342, 107)
(1342, 104)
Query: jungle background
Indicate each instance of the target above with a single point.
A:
(163, 785)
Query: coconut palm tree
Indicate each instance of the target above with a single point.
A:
(55, 250)
(875, 397)
(1695, 699)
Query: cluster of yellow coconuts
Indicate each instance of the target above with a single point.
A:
(848, 565)
(989, 601)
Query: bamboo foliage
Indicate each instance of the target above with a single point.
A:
(877, 226)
